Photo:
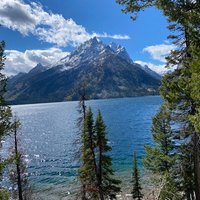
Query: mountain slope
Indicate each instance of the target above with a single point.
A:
(104, 71)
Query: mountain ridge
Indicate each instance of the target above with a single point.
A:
(107, 71)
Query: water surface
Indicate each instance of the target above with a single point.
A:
(48, 132)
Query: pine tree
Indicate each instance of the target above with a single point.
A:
(108, 186)
(185, 171)
(179, 90)
(80, 125)
(177, 93)
(160, 157)
(136, 191)
(88, 170)
(194, 85)
(168, 189)
(18, 171)
(5, 112)
(96, 172)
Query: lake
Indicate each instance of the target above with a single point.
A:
(49, 130)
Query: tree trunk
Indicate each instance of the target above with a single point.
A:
(83, 193)
(84, 114)
(197, 166)
(18, 165)
(100, 172)
(93, 157)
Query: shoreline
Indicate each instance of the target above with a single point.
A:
(71, 101)
(70, 190)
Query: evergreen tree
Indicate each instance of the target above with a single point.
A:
(136, 191)
(5, 112)
(108, 186)
(194, 85)
(80, 125)
(160, 157)
(180, 88)
(18, 172)
(168, 189)
(96, 173)
(185, 171)
(88, 170)
(177, 93)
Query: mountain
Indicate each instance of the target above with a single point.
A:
(37, 69)
(106, 71)
(150, 71)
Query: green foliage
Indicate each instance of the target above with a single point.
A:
(169, 189)
(18, 169)
(87, 171)
(136, 191)
(185, 170)
(96, 173)
(108, 184)
(160, 158)
(5, 111)
(180, 90)
(4, 194)
(195, 87)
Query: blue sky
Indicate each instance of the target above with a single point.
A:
(45, 31)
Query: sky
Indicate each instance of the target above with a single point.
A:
(44, 31)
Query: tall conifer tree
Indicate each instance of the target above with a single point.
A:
(5, 111)
(160, 157)
(18, 171)
(108, 185)
(80, 125)
(96, 172)
(88, 170)
(136, 191)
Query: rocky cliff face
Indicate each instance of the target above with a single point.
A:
(106, 71)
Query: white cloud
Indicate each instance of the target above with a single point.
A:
(105, 35)
(160, 69)
(17, 61)
(159, 52)
(47, 26)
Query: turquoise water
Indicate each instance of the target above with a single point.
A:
(48, 132)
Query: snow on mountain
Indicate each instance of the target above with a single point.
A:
(87, 51)
(91, 50)
(107, 71)
(120, 51)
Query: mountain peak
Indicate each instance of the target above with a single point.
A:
(93, 40)
(107, 71)
(91, 50)
(37, 69)
(91, 43)
(120, 51)
(115, 46)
